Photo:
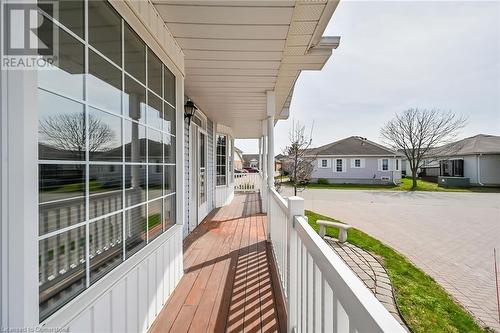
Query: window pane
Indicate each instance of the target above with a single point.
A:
(135, 142)
(105, 250)
(169, 179)
(154, 146)
(155, 227)
(105, 189)
(155, 177)
(61, 193)
(105, 136)
(61, 128)
(61, 269)
(169, 86)
(168, 212)
(169, 119)
(105, 30)
(135, 184)
(104, 83)
(67, 77)
(154, 72)
(134, 100)
(135, 54)
(70, 14)
(154, 113)
(169, 148)
(135, 230)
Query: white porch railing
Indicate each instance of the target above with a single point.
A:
(247, 182)
(322, 294)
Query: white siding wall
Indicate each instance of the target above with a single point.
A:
(130, 297)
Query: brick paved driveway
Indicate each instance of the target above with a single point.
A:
(451, 236)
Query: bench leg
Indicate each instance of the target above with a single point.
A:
(322, 231)
(342, 235)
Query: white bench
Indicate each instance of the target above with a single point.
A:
(341, 226)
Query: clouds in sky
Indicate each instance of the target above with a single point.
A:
(399, 54)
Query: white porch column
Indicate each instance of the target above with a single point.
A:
(271, 109)
(264, 169)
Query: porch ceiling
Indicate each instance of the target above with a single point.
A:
(235, 51)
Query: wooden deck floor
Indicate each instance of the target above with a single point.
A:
(227, 284)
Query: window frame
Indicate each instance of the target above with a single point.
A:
(324, 163)
(386, 165)
(87, 162)
(217, 165)
(341, 160)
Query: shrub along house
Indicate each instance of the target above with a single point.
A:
(355, 160)
(117, 153)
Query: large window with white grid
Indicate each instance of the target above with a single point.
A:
(106, 148)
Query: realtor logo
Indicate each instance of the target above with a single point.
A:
(28, 36)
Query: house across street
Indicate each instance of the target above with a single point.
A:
(451, 241)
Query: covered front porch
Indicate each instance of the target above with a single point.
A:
(227, 283)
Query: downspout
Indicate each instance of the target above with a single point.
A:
(479, 169)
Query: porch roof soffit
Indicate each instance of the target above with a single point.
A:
(235, 52)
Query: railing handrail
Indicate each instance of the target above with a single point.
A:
(350, 290)
(280, 200)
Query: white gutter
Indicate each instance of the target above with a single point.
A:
(479, 169)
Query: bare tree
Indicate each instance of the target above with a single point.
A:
(419, 132)
(68, 131)
(298, 161)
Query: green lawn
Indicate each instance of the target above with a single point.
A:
(424, 304)
(405, 185)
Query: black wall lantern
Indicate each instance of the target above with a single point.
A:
(189, 110)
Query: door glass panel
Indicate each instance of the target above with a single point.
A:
(202, 174)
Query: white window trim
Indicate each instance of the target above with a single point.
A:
(361, 163)
(344, 169)
(320, 163)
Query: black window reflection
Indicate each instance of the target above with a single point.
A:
(61, 191)
(168, 211)
(105, 30)
(135, 184)
(135, 230)
(169, 148)
(61, 128)
(168, 179)
(169, 119)
(67, 77)
(104, 84)
(105, 189)
(105, 249)
(135, 141)
(169, 86)
(154, 112)
(61, 265)
(135, 54)
(105, 136)
(134, 100)
(154, 72)
(155, 227)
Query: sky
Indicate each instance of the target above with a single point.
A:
(394, 55)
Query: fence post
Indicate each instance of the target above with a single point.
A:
(295, 207)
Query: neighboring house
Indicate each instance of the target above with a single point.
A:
(238, 158)
(356, 160)
(93, 221)
(251, 161)
(476, 158)
(278, 162)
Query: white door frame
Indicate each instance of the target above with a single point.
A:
(197, 211)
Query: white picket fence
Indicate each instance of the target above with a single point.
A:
(247, 182)
(321, 292)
